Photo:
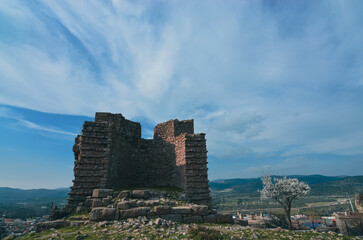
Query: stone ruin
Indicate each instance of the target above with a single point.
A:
(110, 154)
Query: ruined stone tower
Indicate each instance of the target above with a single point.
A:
(110, 153)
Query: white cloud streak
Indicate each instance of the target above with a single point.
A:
(6, 113)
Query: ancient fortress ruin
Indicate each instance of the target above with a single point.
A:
(110, 153)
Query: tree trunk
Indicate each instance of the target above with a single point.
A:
(288, 218)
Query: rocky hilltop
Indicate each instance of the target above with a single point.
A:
(153, 214)
(161, 207)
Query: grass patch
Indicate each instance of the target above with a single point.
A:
(205, 233)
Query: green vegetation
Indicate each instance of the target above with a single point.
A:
(202, 232)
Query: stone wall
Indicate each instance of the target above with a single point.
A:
(110, 153)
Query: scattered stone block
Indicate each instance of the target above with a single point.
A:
(210, 218)
(134, 212)
(181, 210)
(201, 210)
(103, 214)
(141, 194)
(192, 219)
(224, 218)
(158, 221)
(162, 210)
(124, 194)
(102, 192)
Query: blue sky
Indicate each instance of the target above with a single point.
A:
(277, 86)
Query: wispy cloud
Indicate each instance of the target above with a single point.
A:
(258, 76)
(7, 113)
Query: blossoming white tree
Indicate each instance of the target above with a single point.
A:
(284, 191)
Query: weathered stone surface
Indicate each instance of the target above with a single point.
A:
(81, 209)
(102, 193)
(124, 194)
(151, 214)
(359, 202)
(192, 219)
(173, 217)
(141, 194)
(140, 203)
(52, 224)
(152, 203)
(123, 205)
(200, 210)
(162, 210)
(134, 212)
(88, 202)
(103, 214)
(96, 203)
(76, 223)
(224, 218)
(349, 223)
(106, 201)
(210, 218)
(158, 221)
(181, 210)
(110, 153)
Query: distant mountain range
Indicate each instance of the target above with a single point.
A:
(20, 203)
(320, 185)
(15, 196)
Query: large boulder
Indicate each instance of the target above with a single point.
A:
(141, 194)
(103, 214)
(102, 193)
(52, 224)
(134, 212)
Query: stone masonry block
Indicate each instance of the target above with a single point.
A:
(162, 210)
(134, 212)
(201, 210)
(102, 193)
(181, 210)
